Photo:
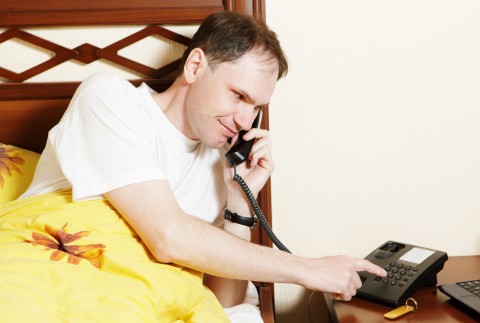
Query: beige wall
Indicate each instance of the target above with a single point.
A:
(376, 129)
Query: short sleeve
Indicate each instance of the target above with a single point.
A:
(105, 139)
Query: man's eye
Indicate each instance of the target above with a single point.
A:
(238, 96)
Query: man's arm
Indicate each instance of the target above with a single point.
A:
(174, 236)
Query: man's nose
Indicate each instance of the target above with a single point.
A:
(245, 118)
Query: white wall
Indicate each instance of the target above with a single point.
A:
(376, 129)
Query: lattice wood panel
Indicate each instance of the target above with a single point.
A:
(87, 53)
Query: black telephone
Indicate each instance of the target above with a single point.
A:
(409, 267)
(236, 155)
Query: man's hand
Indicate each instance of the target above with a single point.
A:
(338, 275)
(259, 165)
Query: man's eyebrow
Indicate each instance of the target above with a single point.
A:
(249, 99)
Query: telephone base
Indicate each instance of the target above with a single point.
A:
(408, 268)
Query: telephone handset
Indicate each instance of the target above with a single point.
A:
(409, 267)
(240, 150)
(237, 154)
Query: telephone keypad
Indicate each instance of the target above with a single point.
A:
(398, 274)
(407, 268)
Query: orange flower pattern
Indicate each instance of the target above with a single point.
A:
(60, 243)
(8, 162)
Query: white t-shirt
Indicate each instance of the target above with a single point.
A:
(114, 134)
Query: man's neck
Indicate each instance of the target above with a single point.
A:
(172, 103)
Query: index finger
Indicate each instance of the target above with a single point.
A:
(365, 265)
(256, 133)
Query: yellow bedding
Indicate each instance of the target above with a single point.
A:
(80, 262)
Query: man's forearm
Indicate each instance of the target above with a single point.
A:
(173, 236)
(229, 292)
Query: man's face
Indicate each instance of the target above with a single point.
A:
(226, 100)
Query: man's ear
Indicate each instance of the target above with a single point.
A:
(194, 65)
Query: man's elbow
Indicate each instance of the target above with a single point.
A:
(162, 256)
(164, 250)
(161, 252)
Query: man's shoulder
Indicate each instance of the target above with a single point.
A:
(103, 77)
(104, 81)
(104, 94)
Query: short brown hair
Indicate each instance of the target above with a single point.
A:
(226, 36)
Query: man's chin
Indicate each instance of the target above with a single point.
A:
(217, 144)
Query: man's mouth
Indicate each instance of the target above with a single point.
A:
(227, 131)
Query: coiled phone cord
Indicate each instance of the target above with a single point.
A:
(258, 211)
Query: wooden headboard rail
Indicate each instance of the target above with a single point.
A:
(107, 12)
(29, 110)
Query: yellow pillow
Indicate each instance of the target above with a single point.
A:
(17, 167)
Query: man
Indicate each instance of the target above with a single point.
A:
(158, 158)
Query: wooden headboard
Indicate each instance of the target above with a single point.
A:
(29, 109)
